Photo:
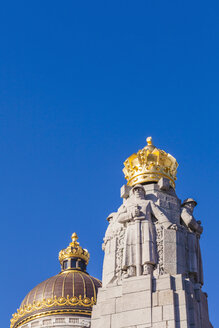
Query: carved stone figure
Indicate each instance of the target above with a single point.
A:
(140, 254)
(193, 235)
(111, 248)
(110, 229)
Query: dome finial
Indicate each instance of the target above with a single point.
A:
(74, 250)
(74, 238)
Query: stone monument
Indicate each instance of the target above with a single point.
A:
(152, 270)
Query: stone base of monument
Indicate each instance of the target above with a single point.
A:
(169, 301)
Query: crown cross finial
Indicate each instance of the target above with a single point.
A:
(74, 237)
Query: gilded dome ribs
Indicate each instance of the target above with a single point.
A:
(83, 284)
(73, 278)
(63, 284)
(94, 289)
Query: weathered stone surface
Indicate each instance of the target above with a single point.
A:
(152, 267)
(116, 320)
(163, 283)
(157, 314)
(161, 324)
(155, 299)
(136, 300)
(96, 312)
(108, 307)
(164, 184)
(136, 317)
(136, 284)
(165, 297)
(168, 312)
(113, 292)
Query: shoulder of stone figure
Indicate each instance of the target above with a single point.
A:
(125, 208)
(121, 209)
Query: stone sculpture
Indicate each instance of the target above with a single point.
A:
(152, 270)
(111, 248)
(194, 230)
(140, 254)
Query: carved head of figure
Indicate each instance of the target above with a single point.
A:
(139, 191)
(189, 204)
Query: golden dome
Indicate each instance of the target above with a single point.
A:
(149, 165)
(72, 291)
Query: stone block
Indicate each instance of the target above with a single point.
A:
(113, 292)
(171, 324)
(179, 297)
(108, 307)
(155, 299)
(136, 317)
(170, 236)
(105, 321)
(161, 324)
(95, 323)
(164, 282)
(181, 313)
(179, 282)
(132, 285)
(152, 187)
(170, 258)
(157, 314)
(184, 324)
(96, 312)
(137, 300)
(116, 320)
(166, 297)
(119, 306)
(170, 249)
(101, 294)
(168, 312)
(164, 184)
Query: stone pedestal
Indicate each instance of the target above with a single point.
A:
(169, 301)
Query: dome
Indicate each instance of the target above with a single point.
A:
(72, 291)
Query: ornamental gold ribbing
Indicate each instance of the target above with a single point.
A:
(74, 250)
(45, 304)
(149, 165)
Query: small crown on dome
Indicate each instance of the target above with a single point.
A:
(149, 165)
(74, 250)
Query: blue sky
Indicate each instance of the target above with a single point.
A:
(82, 84)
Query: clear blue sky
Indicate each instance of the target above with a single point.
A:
(82, 84)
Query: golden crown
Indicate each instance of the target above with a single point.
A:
(74, 250)
(149, 165)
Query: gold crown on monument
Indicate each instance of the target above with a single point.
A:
(149, 165)
(74, 250)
